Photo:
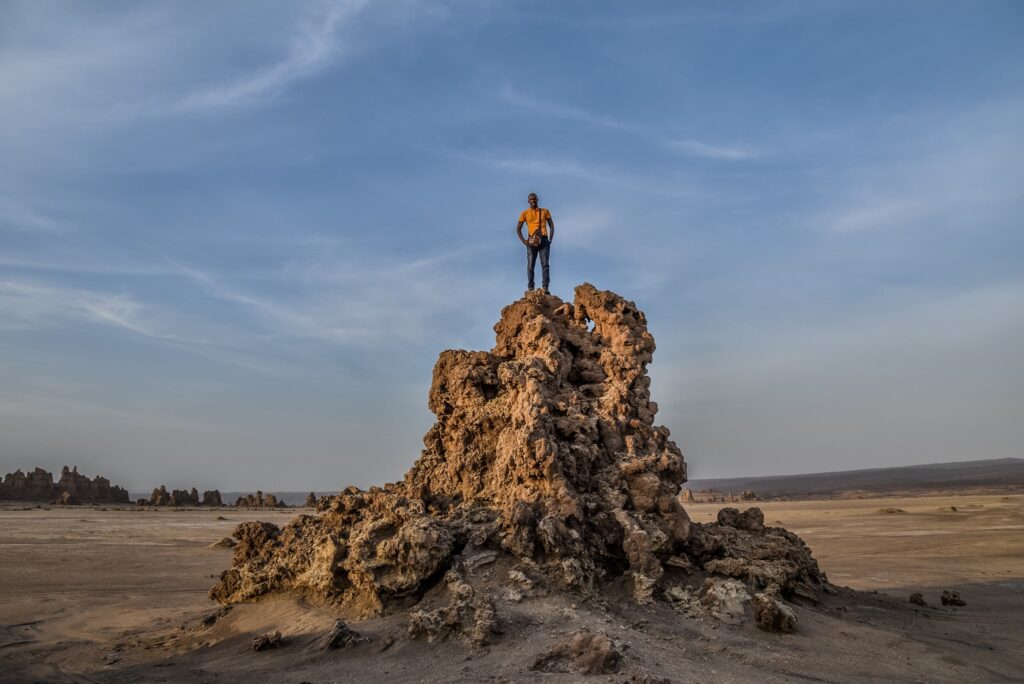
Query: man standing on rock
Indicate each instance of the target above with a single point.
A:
(542, 231)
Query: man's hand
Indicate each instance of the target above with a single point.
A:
(519, 232)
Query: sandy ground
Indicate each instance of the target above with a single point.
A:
(92, 594)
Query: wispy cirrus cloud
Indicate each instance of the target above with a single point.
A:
(314, 46)
(29, 305)
(351, 302)
(530, 102)
(15, 216)
(544, 164)
(690, 147)
(94, 66)
(965, 171)
(696, 148)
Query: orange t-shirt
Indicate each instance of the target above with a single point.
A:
(536, 219)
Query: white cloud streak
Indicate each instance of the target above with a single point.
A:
(314, 46)
(964, 172)
(352, 303)
(29, 305)
(696, 148)
(17, 217)
(690, 148)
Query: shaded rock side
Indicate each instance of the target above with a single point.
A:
(36, 485)
(544, 449)
(39, 485)
(258, 500)
(183, 497)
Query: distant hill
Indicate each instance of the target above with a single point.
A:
(995, 473)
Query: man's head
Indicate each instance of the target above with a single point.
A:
(532, 199)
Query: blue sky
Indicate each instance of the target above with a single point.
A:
(234, 236)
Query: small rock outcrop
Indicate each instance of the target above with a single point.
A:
(583, 653)
(771, 614)
(160, 497)
(952, 598)
(258, 500)
(311, 500)
(263, 642)
(545, 453)
(211, 497)
(39, 485)
(183, 497)
(342, 636)
(84, 490)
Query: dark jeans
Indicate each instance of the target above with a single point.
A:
(531, 259)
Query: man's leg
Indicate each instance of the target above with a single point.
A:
(545, 272)
(531, 261)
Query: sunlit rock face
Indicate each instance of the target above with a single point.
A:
(544, 451)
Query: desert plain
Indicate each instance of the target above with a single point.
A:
(111, 594)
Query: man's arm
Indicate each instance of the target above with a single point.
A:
(519, 232)
(551, 227)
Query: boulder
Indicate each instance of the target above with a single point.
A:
(584, 652)
(771, 614)
(952, 598)
(343, 636)
(751, 519)
(267, 641)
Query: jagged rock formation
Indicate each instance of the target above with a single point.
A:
(35, 486)
(311, 500)
(181, 497)
(160, 497)
(84, 490)
(38, 485)
(544, 453)
(716, 496)
(259, 500)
